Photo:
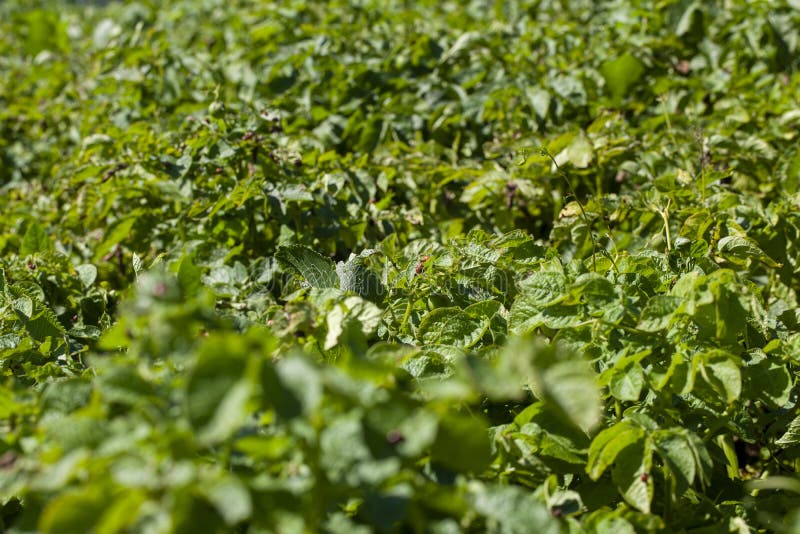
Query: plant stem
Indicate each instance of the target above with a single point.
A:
(664, 212)
(547, 153)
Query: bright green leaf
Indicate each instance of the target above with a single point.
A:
(621, 74)
(451, 326)
(608, 444)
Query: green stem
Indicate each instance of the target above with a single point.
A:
(670, 133)
(580, 205)
(702, 164)
(726, 444)
(664, 212)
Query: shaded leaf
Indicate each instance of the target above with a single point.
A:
(462, 444)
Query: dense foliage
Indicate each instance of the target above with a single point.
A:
(524, 266)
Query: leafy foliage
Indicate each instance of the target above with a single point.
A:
(375, 266)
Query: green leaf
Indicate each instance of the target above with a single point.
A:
(621, 74)
(560, 316)
(558, 376)
(543, 288)
(315, 268)
(264, 447)
(347, 391)
(484, 309)
(351, 321)
(717, 302)
(462, 444)
(658, 313)
(451, 326)
(571, 385)
(300, 381)
(679, 376)
(514, 510)
(136, 262)
(73, 511)
(87, 274)
(684, 454)
(579, 153)
(550, 434)
(792, 435)
(594, 289)
(702, 460)
(565, 503)
(608, 444)
(343, 448)
(124, 385)
(385, 509)
(768, 380)
(356, 276)
(230, 498)
(189, 276)
(631, 475)
(9, 341)
(721, 372)
(615, 525)
(122, 513)
(23, 306)
(679, 458)
(218, 391)
(66, 396)
(739, 249)
(104, 33)
(85, 332)
(691, 24)
(626, 384)
(116, 233)
(44, 324)
(44, 31)
(35, 240)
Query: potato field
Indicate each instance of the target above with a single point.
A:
(355, 266)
